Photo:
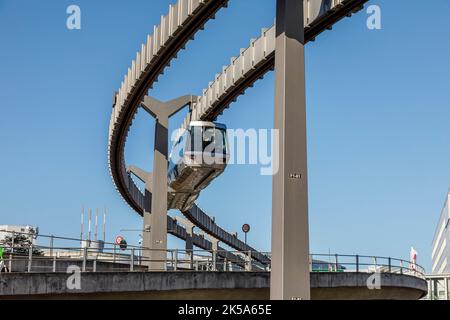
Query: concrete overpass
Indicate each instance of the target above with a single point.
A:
(203, 285)
(43, 272)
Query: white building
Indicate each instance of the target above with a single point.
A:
(440, 252)
(438, 287)
(6, 230)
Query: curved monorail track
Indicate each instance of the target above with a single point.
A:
(184, 20)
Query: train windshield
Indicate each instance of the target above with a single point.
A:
(208, 139)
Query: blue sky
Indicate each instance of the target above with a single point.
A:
(378, 120)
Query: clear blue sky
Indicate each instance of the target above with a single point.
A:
(378, 120)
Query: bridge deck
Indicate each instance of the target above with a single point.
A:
(202, 285)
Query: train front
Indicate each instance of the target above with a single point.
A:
(200, 155)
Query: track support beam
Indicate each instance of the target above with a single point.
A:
(155, 220)
(144, 176)
(290, 279)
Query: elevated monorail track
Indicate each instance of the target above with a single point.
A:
(184, 20)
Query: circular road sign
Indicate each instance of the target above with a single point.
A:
(119, 240)
(246, 228)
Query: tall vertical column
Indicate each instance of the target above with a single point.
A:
(147, 178)
(158, 216)
(190, 246)
(156, 239)
(290, 278)
(146, 241)
(189, 227)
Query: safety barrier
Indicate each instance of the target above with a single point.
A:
(61, 253)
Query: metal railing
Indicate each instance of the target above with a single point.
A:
(59, 253)
(48, 253)
(364, 264)
(129, 260)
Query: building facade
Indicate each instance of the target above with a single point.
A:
(438, 287)
(7, 231)
(440, 252)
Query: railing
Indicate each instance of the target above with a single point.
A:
(99, 256)
(56, 254)
(129, 260)
(364, 264)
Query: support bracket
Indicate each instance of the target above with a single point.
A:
(144, 176)
(162, 110)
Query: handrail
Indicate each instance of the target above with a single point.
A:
(373, 264)
(182, 259)
(185, 261)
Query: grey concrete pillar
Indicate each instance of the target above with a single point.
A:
(215, 243)
(146, 178)
(156, 239)
(190, 246)
(215, 248)
(290, 277)
(189, 227)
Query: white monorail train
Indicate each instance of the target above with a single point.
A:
(199, 155)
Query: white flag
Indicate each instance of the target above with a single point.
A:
(413, 259)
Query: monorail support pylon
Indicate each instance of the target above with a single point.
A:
(156, 220)
(290, 277)
(189, 227)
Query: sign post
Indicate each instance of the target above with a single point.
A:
(246, 229)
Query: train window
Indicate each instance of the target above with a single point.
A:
(196, 139)
(178, 149)
(208, 139)
(221, 141)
